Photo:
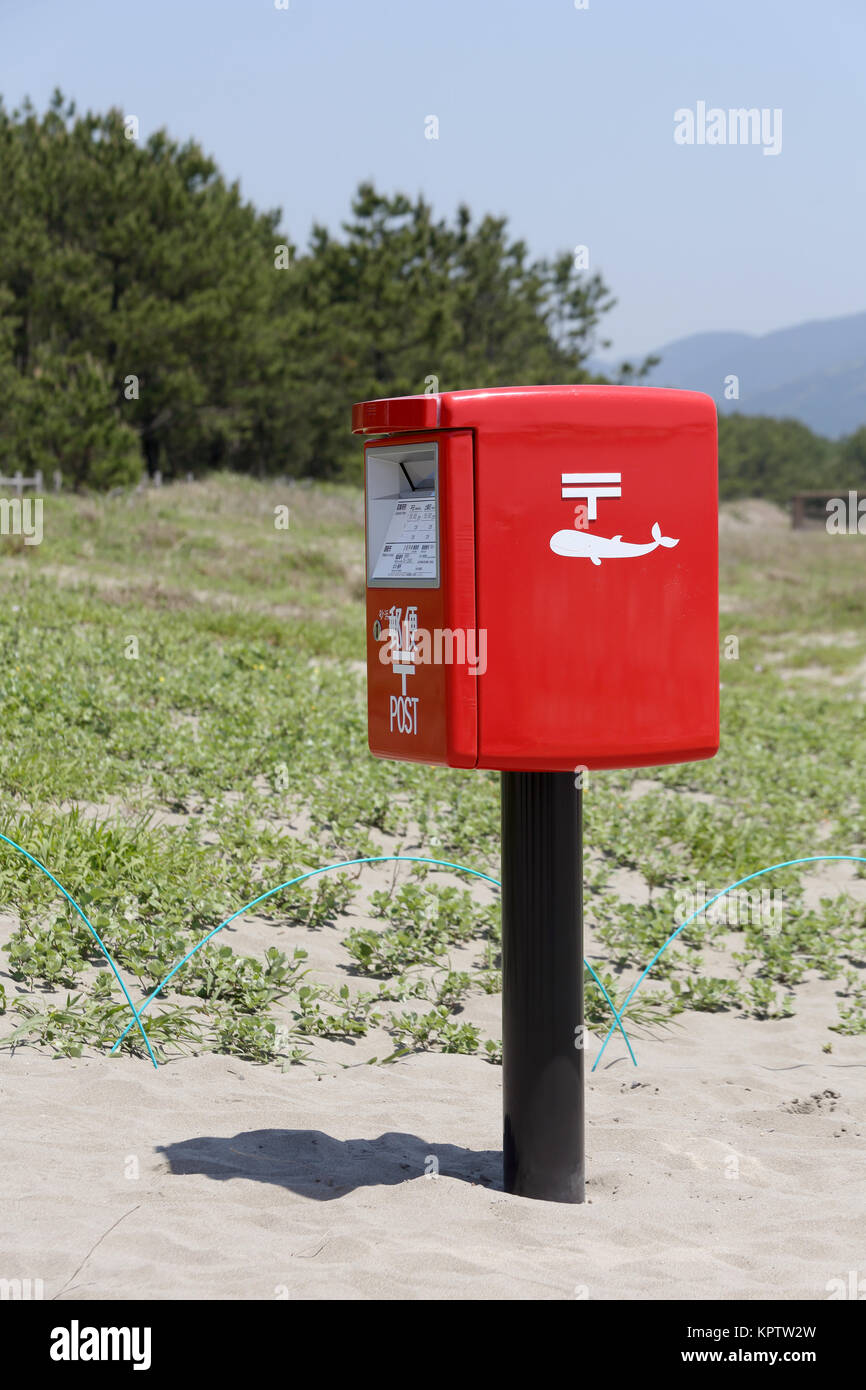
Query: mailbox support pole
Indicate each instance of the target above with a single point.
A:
(542, 985)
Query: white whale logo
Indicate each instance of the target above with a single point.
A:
(598, 548)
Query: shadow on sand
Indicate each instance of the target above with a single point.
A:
(314, 1165)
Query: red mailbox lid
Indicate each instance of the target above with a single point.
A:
(396, 415)
(503, 407)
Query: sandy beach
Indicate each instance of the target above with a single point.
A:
(727, 1165)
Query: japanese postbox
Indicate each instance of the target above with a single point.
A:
(542, 577)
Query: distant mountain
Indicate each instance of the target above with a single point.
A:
(815, 372)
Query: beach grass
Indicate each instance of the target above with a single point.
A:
(182, 709)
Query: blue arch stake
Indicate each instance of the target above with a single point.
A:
(69, 898)
(414, 859)
(789, 863)
(347, 864)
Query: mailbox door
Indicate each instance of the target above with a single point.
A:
(597, 574)
(421, 631)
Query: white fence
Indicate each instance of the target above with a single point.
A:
(18, 482)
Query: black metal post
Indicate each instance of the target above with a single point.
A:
(542, 985)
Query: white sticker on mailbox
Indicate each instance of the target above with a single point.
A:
(409, 549)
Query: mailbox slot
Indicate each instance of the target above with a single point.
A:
(422, 699)
(403, 517)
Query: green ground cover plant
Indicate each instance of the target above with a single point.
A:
(182, 713)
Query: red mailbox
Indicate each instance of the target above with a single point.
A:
(542, 577)
(542, 596)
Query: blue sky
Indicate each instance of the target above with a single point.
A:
(561, 118)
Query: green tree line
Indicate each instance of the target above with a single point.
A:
(761, 456)
(152, 319)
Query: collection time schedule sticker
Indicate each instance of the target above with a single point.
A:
(409, 549)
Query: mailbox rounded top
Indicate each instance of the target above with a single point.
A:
(530, 407)
(395, 415)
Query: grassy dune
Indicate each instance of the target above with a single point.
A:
(183, 727)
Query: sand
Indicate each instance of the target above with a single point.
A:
(728, 1165)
